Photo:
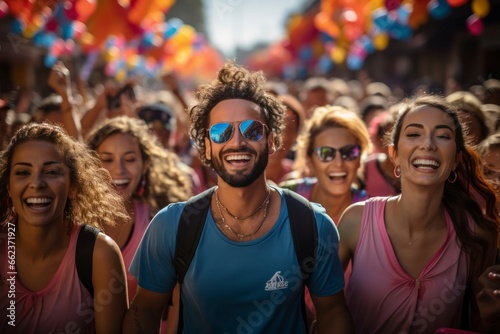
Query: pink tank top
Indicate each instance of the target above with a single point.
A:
(383, 298)
(63, 306)
(141, 213)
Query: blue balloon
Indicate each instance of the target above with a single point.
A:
(306, 53)
(354, 62)
(50, 60)
(325, 38)
(148, 39)
(367, 44)
(173, 26)
(403, 13)
(67, 31)
(401, 31)
(381, 19)
(325, 64)
(438, 9)
(17, 27)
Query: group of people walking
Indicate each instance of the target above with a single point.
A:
(417, 259)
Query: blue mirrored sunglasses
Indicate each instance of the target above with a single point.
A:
(347, 153)
(250, 130)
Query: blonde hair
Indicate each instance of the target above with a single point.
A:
(327, 117)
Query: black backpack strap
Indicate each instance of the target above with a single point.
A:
(304, 232)
(188, 236)
(189, 232)
(84, 253)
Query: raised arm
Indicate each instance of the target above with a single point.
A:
(110, 286)
(59, 81)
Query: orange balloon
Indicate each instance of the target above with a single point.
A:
(85, 8)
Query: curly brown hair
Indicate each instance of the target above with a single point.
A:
(95, 203)
(461, 198)
(165, 182)
(234, 82)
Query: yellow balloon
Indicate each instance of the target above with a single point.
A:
(481, 7)
(381, 41)
(120, 75)
(111, 54)
(338, 55)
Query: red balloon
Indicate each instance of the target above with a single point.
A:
(457, 3)
(392, 4)
(4, 9)
(475, 25)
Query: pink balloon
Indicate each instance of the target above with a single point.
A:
(392, 4)
(4, 9)
(475, 25)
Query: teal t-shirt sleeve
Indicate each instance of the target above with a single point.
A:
(328, 277)
(153, 263)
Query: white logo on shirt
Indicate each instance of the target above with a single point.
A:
(276, 282)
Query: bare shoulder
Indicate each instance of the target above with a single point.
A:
(105, 247)
(350, 224)
(352, 216)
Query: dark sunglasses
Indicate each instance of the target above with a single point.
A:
(250, 130)
(347, 153)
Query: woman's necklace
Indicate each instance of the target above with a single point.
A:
(222, 221)
(266, 200)
(411, 242)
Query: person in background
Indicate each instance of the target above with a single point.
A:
(162, 122)
(431, 238)
(235, 125)
(371, 106)
(58, 108)
(144, 174)
(50, 187)
(334, 142)
(469, 108)
(316, 92)
(488, 298)
(378, 169)
(4, 124)
(148, 179)
(280, 165)
(489, 150)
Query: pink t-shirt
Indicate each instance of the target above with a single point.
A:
(63, 306)
(383, 298)
(141, 214)
(376, 184)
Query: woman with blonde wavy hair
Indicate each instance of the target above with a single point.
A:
(331, 145)
(50, 187)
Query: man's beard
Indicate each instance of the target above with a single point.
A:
(239, 179)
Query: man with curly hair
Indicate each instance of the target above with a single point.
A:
(244, 276)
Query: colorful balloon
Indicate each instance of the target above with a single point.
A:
(481, 7)
(475, 25)
(457, 3)
(4, 9)
(392, 4)
(439, 9)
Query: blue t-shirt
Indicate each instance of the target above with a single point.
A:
(239, 287)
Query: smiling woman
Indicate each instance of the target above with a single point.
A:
(430, 242)
(50, 186)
